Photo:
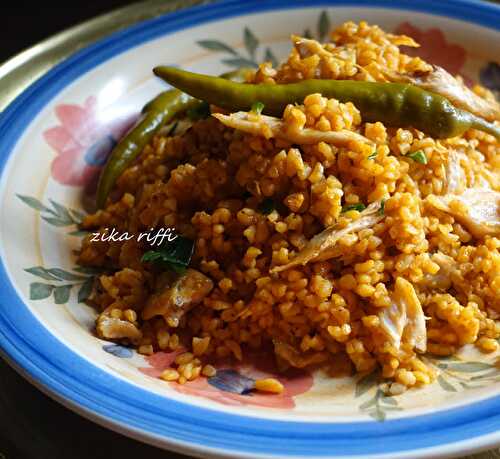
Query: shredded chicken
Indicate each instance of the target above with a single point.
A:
(322, 246)
(268, 126)
(478, 210)
(295, 358)
(112, 328)
(442, 280)
(173, 302)
(456, 180)
(441, 82)
(404, 320)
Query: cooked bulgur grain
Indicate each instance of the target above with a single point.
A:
(422, 275)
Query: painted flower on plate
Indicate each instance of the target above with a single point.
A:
(434, 48)
(82, 142)
(233, 383)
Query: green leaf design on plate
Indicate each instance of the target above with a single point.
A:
(65, 275)
(366, 383)
(88, 270)
(445, 385)
(40, 291)
(79, 233)
(33, 203)
(469, 367)
(251, 42)
(369, 403)
(62, 293)
(392, 408)
(378, 414)
(489, 374)
(469, 386)
(216, 45)
(55, 221)
(269, 56)
(240, 62)
(58, 216)
(380, 403)
(77, 215)
(388, 400)
(323, 25)
(62, 213)
(85, 290)
(40, 271)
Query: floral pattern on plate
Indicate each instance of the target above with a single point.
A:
(82, 143)
(233, 383)
(434, 47)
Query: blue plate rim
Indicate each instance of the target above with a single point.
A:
(125, 407)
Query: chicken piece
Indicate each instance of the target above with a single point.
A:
(112, 328)
(476, 209)
(297, 359)
(456, 181)
(441, 82)
(442, 280)
(322, 246)
(269, 127)
(175, 301)
(404, 320)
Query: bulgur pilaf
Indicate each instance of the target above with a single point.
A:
(342, 254)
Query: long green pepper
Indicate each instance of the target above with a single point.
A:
(394, 104)
(155, 114)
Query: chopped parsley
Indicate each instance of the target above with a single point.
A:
(382, 207)
(175, 255)
(257, 107)
(358, 206)
(199, 112)
(418, 156)
(373, 155)
(267, 206)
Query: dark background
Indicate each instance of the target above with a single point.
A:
(25, 23)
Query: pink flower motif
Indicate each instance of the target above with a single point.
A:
(231, 385)
(82, 142)
(434, 48)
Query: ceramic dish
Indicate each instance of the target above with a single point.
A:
(55, 137)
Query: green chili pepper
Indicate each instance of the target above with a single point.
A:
(394, 104)
(162, 109)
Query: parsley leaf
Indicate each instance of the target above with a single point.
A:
(358, 206)
(257, 107)
(418, 156)
(382, 207)
(373, 155)
(175, 255)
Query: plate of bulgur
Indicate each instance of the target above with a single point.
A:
(280, 241)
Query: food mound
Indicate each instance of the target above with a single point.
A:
(317, 228)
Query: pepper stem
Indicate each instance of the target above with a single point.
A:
(483, 125)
